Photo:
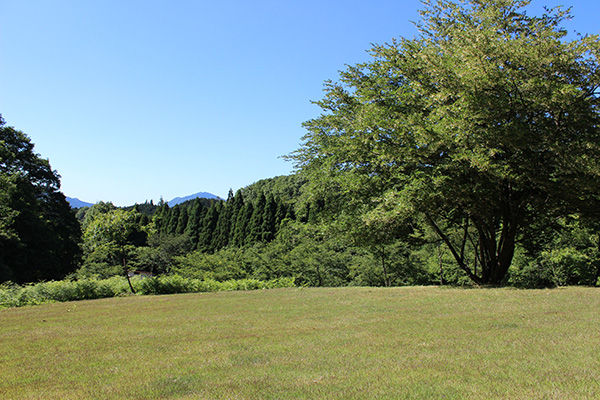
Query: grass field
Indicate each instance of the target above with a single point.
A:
(342, 343)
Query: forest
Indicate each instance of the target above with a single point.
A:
(265, 231)
(468, 155)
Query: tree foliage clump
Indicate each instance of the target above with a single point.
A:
(39, 234)
(481, 125)
(111, 237)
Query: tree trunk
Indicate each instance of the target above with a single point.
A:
(441, 265)
(385, 274)
(495, 253)
(459, 259)
(127, 275)
(596, 283)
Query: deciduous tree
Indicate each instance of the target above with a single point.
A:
(39, 234)
(483, 122)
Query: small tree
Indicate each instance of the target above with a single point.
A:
(109, 239)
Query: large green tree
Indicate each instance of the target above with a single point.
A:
(483, 122)
(39, 234)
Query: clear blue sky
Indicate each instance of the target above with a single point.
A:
(133, 100)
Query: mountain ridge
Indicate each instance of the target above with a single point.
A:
(74, 202)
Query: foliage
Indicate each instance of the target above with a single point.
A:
(7, 214)
(310, 255)
(169, 284)
(571, 257)
(287, 188)
(39, 234)
(106, 226)
(160, 254)
(237, 222)
(222, 265)
(147, 208)
(13, 295)
(111, 236)
(478, 124)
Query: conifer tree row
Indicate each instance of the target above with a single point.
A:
(213, 225)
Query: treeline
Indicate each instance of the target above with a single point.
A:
(278, 234)
(156, 238)
(428, 164)
(272, 229)
(219, 224)
(267, 230)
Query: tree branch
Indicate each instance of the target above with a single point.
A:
(457, 257)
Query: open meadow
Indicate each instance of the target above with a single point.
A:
(325, 343)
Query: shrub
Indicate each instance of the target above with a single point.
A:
(13, 295)
(556, 267)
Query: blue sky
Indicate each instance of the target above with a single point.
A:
(133, 100)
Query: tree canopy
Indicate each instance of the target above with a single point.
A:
(39, 234)
(482, 124)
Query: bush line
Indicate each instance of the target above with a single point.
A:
(13, 295)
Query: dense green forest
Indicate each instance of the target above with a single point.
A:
(470, 154)
(39, 235)
(280, 234)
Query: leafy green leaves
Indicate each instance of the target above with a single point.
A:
(39, 235)
(490, 113)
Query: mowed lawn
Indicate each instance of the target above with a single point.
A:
(317, 343)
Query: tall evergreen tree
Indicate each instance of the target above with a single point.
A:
(144, 220)
(222, 231)
(255, 225)
(241, 225)
(194, 221)
(173, 219)
(268, 227)
(208, 226)
(161, 217)
(182, 221)
(237, 205)
(280, 214)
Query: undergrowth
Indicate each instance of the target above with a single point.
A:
(13, 295)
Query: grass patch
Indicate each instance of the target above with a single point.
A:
(342, 343)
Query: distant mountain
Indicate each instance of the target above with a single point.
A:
(76, 203)
(202, 195)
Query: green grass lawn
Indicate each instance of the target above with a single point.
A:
(342, 343)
